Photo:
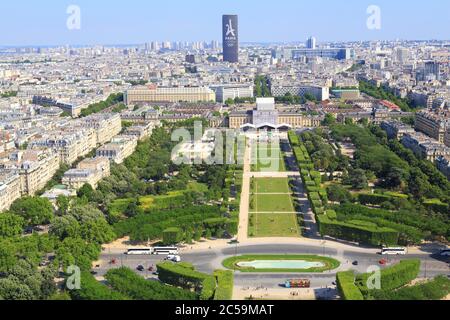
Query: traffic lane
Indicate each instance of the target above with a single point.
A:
(130, 261)
(279, 249)
(276, 281)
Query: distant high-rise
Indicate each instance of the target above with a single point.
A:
(311, 43)
(230, 38)
(432, 68)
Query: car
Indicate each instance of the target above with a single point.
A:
(94, 273)
(173, 258)
(140, 268)
(445, 253)
(355, 263)
(382, 262)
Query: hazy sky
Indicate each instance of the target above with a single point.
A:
(31, 22)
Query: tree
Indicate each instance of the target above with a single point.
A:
(172, 236)
(34, 210)
(133, 209)
(394, 178)
(329, 120)
(229, 102)
(13, 289)
(85, 191)
(11, 225)
(63, 204)
(97, 231)
(8, 257)
(358, 179)
(66, 226)
(338, 193)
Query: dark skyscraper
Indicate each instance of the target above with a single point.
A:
(230, 38)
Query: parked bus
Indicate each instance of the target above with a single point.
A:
(140, 252)
(393, 251)
(165, 251)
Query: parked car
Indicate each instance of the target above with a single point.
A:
(140, 268)
(355, 263)
(173, 258)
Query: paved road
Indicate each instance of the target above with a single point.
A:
(210, 260)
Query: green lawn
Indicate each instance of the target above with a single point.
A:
(329, 263)
(273, 225)
(271, 185)
(275, 164)
(271, 203)
(152, 202)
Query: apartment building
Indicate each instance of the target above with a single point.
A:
(425, 147)
(69, 145)
(447, 138)
(433, 124)
(10, 189)
(139, 131)
(164, 94)
(396, 129)
(89, 171)
(118, 149)
(106, 126)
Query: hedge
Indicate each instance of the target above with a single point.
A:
(393, 277)
(225, 283)
(346, 285)
(314, 196)
(375, 236)
(331, 214)
(373, 199)
(185, 276)
(127, 282)
(91, 289)
(208, 288)
(436, 205)
(436, 289)
(293, 139)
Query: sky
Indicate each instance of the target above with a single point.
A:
(109, 22)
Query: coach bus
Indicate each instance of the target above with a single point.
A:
(165, 250)
(393, 251)
(140, 251)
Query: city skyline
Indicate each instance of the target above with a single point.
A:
(30, 24)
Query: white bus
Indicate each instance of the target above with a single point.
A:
(165, 251)
(140, 251)
(394, 251)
